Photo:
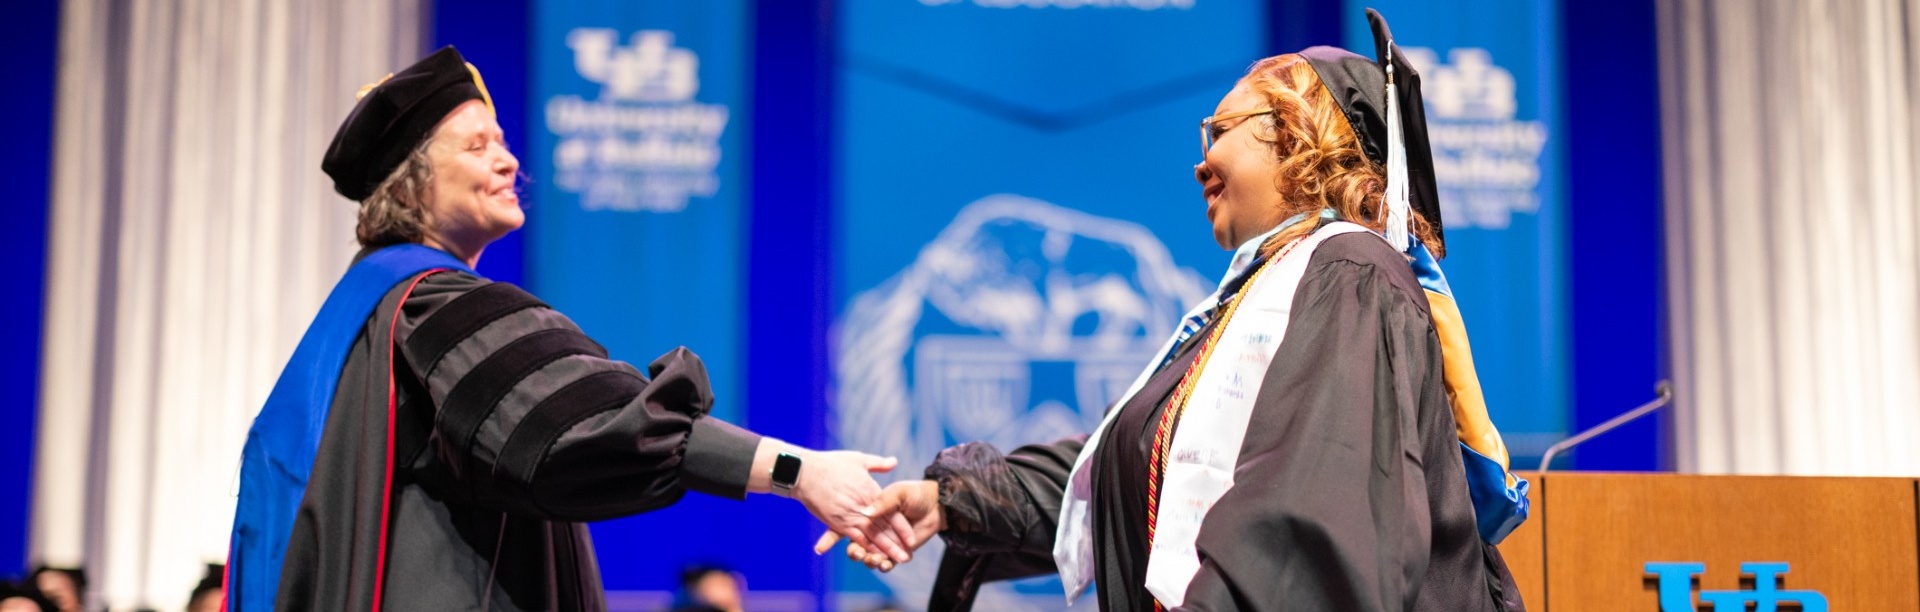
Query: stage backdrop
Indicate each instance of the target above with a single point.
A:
(1015, 222)
(637, 232)
(1490, 72)
(1018, 224)
(636, 176)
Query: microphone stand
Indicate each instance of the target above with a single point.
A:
(1664, 393)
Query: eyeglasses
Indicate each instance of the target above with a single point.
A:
(1206, 126)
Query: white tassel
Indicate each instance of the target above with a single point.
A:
(1396, 195)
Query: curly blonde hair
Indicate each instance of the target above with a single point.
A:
(1321, 164)
(396, 213)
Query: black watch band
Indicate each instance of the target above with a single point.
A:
(786, 471)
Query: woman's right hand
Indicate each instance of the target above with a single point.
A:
(918, 501)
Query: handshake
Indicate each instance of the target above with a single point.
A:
(882, 526)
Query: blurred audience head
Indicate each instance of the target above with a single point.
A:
(710, 588)
(65, 587)
(207, 595)
(23, 598)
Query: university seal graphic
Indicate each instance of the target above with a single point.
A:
(1020, 323)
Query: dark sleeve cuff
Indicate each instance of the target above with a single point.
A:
(985, 508)
(719, 458)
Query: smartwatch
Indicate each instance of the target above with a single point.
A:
(786, 470)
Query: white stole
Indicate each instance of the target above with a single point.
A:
(1206, 446)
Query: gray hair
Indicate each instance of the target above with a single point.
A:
(396, 213)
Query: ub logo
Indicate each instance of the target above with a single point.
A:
(1470, 86)
(644, 144)
(1485, 160)
(1676, 589)
(1020, 323)
(649, 69)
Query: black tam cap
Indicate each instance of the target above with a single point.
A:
(1359, 86)
(394, 115)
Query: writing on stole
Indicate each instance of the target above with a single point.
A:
(1238, 359)
(1247, 361)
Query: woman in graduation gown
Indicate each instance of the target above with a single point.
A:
(1314, 438)
(439, 441)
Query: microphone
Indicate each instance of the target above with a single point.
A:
(1663, 392)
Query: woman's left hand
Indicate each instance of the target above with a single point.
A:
(915, 502)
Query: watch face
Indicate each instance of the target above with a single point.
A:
(786, 468)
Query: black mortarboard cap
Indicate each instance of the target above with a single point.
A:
(394, 115)
(1359, 86)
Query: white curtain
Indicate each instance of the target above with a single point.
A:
(193, 237)
(1791, 151)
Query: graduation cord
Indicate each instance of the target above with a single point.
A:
(1177, 404)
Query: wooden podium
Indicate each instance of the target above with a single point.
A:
(1587, 546)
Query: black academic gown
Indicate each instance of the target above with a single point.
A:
(1350, 493)
(512, 430)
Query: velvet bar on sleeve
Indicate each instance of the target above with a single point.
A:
(532, 415)
(511, 430)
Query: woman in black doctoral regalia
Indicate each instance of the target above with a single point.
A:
(1315, 437)
(439, 441)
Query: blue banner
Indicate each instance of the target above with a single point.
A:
(636, 169)
(1018, 223)
(636, 223)
(1490, 73)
